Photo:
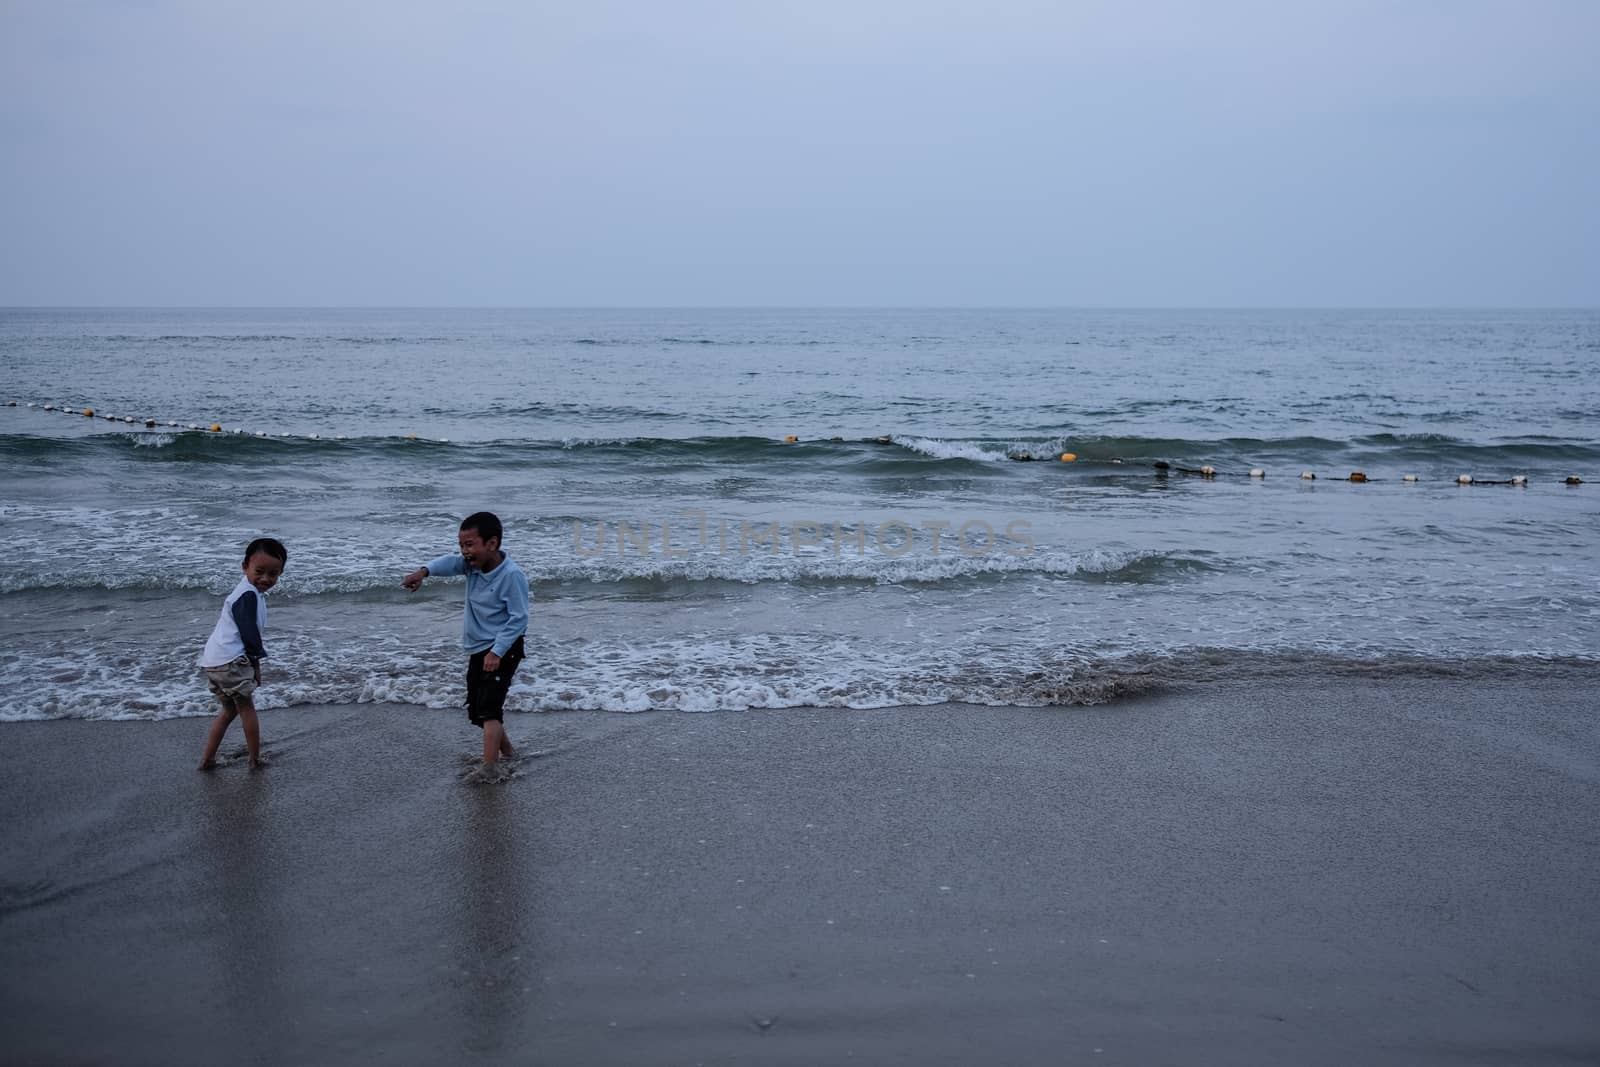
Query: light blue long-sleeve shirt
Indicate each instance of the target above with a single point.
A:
(497, 602)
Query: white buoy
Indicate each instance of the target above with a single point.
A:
(1519, 479)
(1409, 478)
(312, 436)
(1258, 473)
(1463, 479)
(49, 407)
(1307, 475)
(259, 433)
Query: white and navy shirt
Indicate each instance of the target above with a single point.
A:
(238, 629)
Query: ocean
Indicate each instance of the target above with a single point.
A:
(731, 509)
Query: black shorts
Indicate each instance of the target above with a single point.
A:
(486, 690)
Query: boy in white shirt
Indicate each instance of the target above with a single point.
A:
(233, 654)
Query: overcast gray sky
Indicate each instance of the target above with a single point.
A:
(815, 152)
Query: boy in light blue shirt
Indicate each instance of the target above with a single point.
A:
(493, 625)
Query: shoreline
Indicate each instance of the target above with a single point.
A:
(1344, 870)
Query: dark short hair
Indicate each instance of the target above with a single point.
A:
(271, 546)
(487, 523)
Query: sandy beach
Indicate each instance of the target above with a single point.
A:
(1351, 872)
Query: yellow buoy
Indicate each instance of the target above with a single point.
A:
(88, 413)
(791, 439)
(411, 437)
(1069, 457)
(216, 427)
(1357, 476)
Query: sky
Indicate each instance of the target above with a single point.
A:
(1421, 153)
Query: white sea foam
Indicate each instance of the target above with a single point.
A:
(690, 673)
(570, 443)
(980, 451)
(685, 673)
(930, 446)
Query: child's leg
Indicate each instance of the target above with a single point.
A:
(252, 728)
(494, 741)
(219, 726)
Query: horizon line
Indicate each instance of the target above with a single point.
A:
(799, 307)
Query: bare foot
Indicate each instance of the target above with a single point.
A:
(259, 764)
(208, 765)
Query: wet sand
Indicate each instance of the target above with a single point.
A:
(1350, 872)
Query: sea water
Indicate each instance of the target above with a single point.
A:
(918, 540)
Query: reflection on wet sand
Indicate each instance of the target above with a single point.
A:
(496, 968)
(240, 848)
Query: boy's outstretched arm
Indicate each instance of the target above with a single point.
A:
(443, 567)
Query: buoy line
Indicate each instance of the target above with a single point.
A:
(197, 427)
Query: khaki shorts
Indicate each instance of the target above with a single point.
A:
(232, 680)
